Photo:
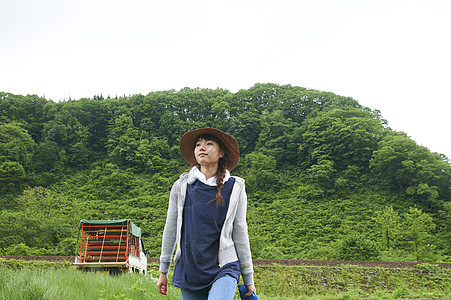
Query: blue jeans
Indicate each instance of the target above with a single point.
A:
(222, 289)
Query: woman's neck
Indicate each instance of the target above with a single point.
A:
(208, 170)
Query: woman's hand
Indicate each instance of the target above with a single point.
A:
(250, 289)
(162, 283)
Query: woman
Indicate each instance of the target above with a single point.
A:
(206, 219)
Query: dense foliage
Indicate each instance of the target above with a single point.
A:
(326, 177)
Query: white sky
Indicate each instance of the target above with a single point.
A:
(391, 55)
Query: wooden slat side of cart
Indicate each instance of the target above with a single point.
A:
(112, 244)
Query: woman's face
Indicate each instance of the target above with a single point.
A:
(207, 152)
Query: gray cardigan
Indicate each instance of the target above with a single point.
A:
(233, 242)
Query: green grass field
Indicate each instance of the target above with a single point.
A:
(44, 280)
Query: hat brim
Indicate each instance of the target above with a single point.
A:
(188, 140)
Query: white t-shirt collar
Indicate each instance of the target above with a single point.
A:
(195, 173)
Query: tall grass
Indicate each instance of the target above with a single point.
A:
(27, 283)
(42, 280)
(353, 282)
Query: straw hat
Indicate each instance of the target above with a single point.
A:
(188, 140)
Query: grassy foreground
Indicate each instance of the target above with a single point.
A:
(45, 280)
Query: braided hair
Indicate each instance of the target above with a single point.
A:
(222, 166)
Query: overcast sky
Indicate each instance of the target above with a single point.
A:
(391, 55)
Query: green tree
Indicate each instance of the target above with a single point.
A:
(246, 128)
(16, 145)
(389, 223)
(322, 173)
(277, 138)
(345, 136)
(123, 141)
(44, 219)
(400, 164)
(72, 137)
(49, 157)
(27, 110)
(419, 229)
(12, 179)
(259, 171)
(151, 154)
(49, 205)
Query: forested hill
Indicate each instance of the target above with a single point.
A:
(326, 177)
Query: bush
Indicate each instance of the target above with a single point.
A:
(357, 247)
(17, 249)
(67, 247)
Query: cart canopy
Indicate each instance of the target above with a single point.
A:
(132, 228)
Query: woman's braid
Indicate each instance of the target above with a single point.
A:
(220, 174)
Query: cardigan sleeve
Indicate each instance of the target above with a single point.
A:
(170, 230)
(241, 240)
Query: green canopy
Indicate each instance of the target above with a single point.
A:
(132, 228)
